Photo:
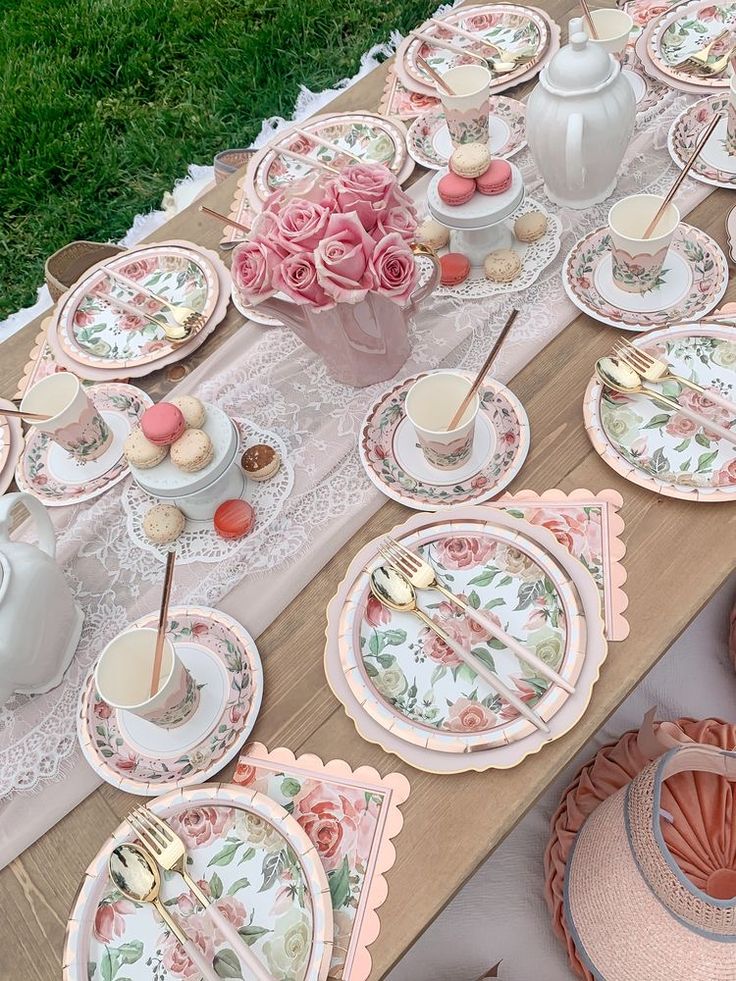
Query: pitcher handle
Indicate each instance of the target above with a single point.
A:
(41, 520)
(424, 290)
(574, 151)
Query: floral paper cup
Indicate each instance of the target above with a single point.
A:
(613, 28)
(638, 261)
(431, 402)
(468, 110)
(74, 423)
(123, 676)
(730, 143)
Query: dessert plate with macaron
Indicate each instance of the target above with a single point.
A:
(201, 479)
(430, 144)
(491, 239)
(57, 478)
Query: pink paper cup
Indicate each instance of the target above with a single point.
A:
(638, 261)
(123, 678)
(431, 402)
(74, 423)
(467, 112)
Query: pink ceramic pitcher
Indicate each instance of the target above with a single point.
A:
(360, 343)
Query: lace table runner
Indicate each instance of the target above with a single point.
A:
(267, 376)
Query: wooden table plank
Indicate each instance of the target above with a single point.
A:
(678, 555)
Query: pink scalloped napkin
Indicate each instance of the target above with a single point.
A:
(589, 526)
(351, 817)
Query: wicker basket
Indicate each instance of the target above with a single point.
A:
(65, 266)
(228, 161)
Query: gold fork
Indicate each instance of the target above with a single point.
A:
(715, 67)
(171, 854)
(653, 370)
(701, 55)
(185, 317)
(422, 576)
(173, 332)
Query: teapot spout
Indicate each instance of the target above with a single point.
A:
(288, 313)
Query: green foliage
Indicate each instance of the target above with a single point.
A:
(104, 104)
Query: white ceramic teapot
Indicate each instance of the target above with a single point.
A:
(579, 122)
(40, 623)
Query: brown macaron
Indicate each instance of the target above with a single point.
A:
(260, 462)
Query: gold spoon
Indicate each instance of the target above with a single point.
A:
(622, 378)
(396, 592)
(136, 875)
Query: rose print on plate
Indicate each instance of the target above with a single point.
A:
(662, 449)
(716, 163)
(685, 32)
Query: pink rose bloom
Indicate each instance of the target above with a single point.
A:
(467, 716)
(526, 693)
(679, 425)
(395, 271)
(150, 346)
(570, 529)
(460, 628)
(301, 225)
(82, 318)
(200, 629)
(102, 710)
(187, 905)
(702, 404)
(199, 825)
(253, 266)
(376, 613)
(478, 482)
(726, 475)
(462, 553)
(175, 958)
(397, 219)
(366, 189)
(139, 268)
(233, 910)
(128, 762)
(245, 774)
(109, 920)
(297, 277)
(128, 322)
(314, 187)
(266, 229)
(342, 260)
(331, 820)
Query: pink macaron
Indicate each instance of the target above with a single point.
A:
(455, 190)
(496, 179)
(163, 423)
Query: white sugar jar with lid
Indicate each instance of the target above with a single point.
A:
(198, 495)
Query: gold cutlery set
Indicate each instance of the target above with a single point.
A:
(699, 60)
(501, 63)
(134, 869)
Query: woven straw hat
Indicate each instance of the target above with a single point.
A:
(632, 912)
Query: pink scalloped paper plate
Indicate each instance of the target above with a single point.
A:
(362, 809)
(589, 526)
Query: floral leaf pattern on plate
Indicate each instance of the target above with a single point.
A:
(688, 31)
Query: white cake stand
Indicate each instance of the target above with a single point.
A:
(480, 226)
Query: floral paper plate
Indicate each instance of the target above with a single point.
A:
(693, 279)
(648, 92)
(367, 135)
(146, 759)
(686, 30)
(99, 343)
(395, 463)
(429, 140)
(714, 164)
(433, 711)
(251, 856)
(513, 27)
(11, 443)
(662, 450)
(56, 478)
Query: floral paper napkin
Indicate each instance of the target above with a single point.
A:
(351, 817)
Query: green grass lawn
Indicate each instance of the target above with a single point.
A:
(104, 103)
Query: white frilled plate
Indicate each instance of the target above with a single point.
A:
(693, 280)
(251, 856)
(370, 136)
(57, 478)
(429, 140)
(100, 343)
(714, 164)
(514, 27)
(659, 449)
(142, 758)
(405, 690)
(397, 467)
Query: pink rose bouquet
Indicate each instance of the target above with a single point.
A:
(322, 242)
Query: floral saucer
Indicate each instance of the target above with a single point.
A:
(11, 443)
(662, 450)
(429, 143)
(714, 164)
(56, 478)
(396, 465)
(246, 852)
(692, 281)
(421, 702)
(143, 758)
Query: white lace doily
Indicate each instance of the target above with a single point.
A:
(199, 542)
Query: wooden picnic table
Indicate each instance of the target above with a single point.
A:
(678, 554)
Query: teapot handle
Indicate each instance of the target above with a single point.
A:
(41, 520)
(574, 151)
(421, 291)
